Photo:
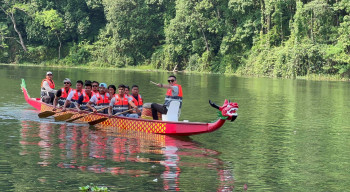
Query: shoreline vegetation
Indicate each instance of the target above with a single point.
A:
(306, 39)
(313, 77)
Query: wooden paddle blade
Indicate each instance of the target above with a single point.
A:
(64, 117)
(94, 122)
(46, 114)
(71, 120)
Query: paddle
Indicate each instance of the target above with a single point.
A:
(154, 82)
(71, 120)
(94, 122)
(47, 114)
(64, 116)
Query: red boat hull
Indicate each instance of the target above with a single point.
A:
(143, 125)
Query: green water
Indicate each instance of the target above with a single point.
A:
(290, 135)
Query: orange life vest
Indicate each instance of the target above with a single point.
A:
(86, 97)
(169, 96)
(101, 100)
(50, 82)
(64, 94)
(77, 94)
(120, 104)
(138, 102)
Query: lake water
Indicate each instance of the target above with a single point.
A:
(290, 135)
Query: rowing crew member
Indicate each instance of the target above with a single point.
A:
(127, 90)
(62, 94)
(95, 85)
(111, 91)
(85, 97)
(136, 98)
(100, 99)
(120, 103)
(48, 89)
(174, 93)
(73, 96)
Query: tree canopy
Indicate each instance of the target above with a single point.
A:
(279, 38)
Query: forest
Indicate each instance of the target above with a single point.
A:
(275, 38)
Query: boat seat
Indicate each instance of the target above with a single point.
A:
(173, 113)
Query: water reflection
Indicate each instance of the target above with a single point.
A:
(45, 143)
(118, 152)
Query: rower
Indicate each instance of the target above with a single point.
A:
(85, 97)
(111, 91)
(136, 98)
(48, 89)
(174, 93)
(127, 90)
(100, 99)
(73, 96)
(62, 93)
(120, 103)
(95, 85)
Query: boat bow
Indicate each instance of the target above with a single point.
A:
(34, 102)
(228, 111)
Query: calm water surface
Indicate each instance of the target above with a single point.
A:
(291, 135)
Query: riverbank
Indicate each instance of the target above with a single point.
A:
(149, 68)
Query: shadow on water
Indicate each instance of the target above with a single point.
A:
(113, 152)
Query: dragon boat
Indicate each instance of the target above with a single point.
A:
(227, 112)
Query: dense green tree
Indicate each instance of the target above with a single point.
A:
(339, 53)
(282, 38)
(54, 22)
(135, 27)
(197, 29)
(9, 8)
(3, 33)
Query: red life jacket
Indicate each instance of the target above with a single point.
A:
(169, 96)
(64, 94)
(101, 100)
(50, 82)
(86, 97)
(169, 92)
(77, 94)
(138, 102)
(120, 104)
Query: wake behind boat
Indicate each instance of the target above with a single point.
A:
(227, 112)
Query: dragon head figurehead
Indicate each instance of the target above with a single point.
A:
(228, 110)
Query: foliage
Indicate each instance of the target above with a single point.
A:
(134, 27)
(164, 57)
(279, 38)
(78, 54)
(50, 19)
(93, 187)
(3, 33)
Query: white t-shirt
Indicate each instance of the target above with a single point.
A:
(71, 95)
